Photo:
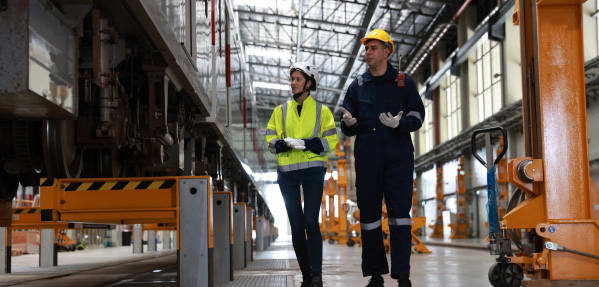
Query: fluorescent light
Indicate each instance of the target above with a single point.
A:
(268, 53)
(276, 4)
(271, 86)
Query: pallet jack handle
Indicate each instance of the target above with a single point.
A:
(489, 130)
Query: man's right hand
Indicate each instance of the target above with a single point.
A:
(348, 119)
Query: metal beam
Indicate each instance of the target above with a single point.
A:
(370, 11)
(304, 19)
(275, 44)
(285, 67)
(286, 81)
(299, 32)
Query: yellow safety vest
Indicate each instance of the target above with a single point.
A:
(316, 121)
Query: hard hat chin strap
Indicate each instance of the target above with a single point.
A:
(297, 95)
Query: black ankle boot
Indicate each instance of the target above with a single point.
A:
(404, 281)
(316, 280)
(306, 280)
(376, 281)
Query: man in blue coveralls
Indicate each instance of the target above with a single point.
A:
(381, 112)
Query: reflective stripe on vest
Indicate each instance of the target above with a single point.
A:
(317, 123)
(284, 108)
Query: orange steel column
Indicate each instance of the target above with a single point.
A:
(438, 226)
(555, 171)
(331, 193)
(461, 227)
(341, 198)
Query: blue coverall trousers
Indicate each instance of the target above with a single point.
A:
(382, 171)
(304, 222)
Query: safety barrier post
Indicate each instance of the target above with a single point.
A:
(5, 250)
(138, 235)
(260, 232)
(249, 244)
(152, 241)
(223, 205)
(48, 249)
(194, 232)
(166, 239)
(239, 240)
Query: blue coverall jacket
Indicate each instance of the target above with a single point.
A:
(384, 161)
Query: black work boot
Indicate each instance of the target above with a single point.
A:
(404, 281)
(316, 280)
(376, 281)
(306, 280)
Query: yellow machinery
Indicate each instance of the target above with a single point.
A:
(332, 220)
(355, 231)
(438, 225)
(417, 223)
(559, 243)
(339, 230)
(323, 215)
(461, 227)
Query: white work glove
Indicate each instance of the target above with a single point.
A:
(295, 143)
(390, 120)
(348, 119)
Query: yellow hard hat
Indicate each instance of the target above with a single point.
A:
(381, 35)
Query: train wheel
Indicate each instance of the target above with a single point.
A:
(63, 158)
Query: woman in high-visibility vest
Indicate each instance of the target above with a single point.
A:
(301, 133)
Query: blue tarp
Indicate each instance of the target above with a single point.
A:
(492, 215)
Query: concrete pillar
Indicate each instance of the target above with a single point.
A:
(175, 242)
(152, 241)
(166, 240)
(48, 249)
(137, 239)
(468, 78)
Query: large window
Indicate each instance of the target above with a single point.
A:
(488, 68)
(429, 128)
(454, 118)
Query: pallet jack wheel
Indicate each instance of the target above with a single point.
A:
(331, 241)
(512, 275)
(350, 242)
(495, 272)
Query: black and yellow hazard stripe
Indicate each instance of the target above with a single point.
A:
(23, 210)
(47, 181)
(119, 185)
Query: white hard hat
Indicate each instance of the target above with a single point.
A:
(308, 70)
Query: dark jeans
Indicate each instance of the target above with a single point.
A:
(304, 222)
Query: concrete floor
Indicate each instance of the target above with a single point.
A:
(118, 267)
(445, 266)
